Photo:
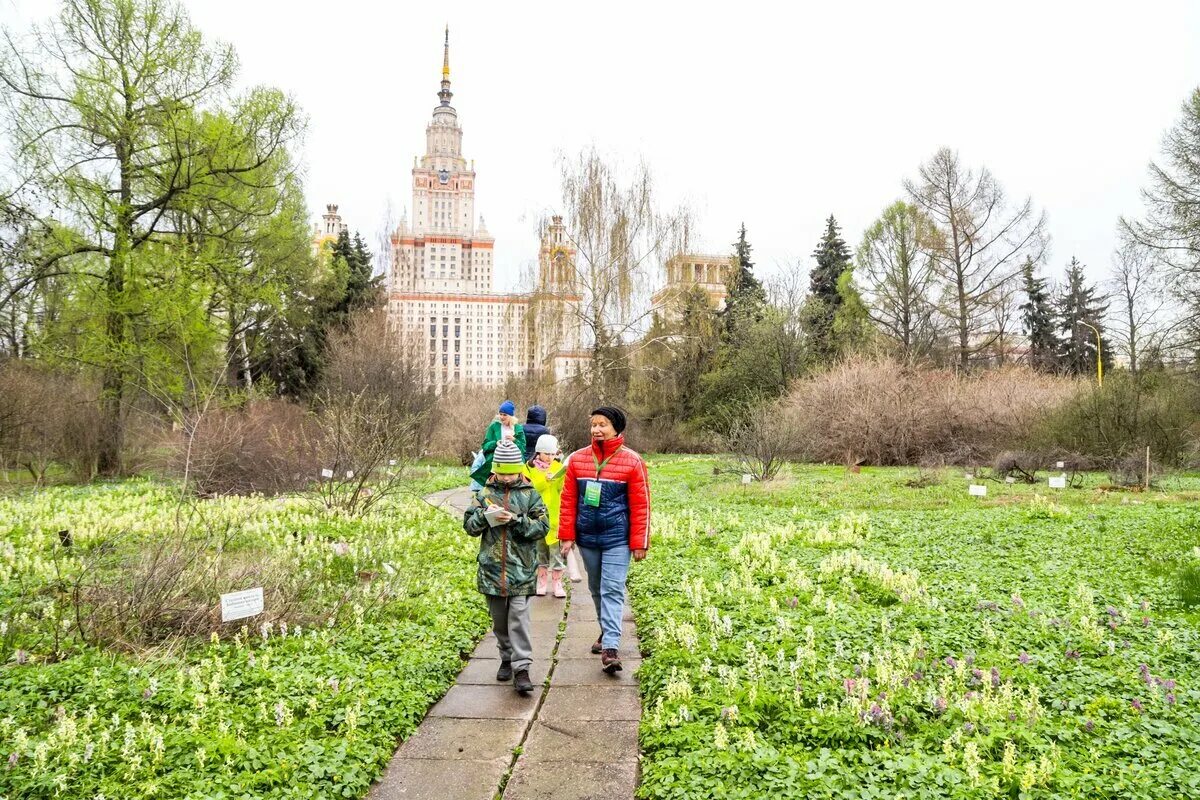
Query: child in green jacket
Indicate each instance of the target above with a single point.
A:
(509, 517)
(504, 427)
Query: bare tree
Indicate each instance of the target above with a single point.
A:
(620, 238)
(976, 243)
(898, 279)
(1144, 319)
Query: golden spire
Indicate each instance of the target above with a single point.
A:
(446, 57)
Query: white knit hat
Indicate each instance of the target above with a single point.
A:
(546, 443)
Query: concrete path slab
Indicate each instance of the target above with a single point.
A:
(498, 701)
(599, 741)
(438, 779)
(587, 672)
(463, 739)
(575, 703)
(549, 780)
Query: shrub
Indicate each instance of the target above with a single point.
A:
(47, 416)
(882, 412)
(1159, 410)
(266, 446)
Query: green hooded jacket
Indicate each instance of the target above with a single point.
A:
(490, 440)
(507, 557)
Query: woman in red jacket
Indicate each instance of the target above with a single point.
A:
(606, 514)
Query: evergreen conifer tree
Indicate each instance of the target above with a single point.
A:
(1037, 314)
(1078, 308)
(746, 298)
(824, 299)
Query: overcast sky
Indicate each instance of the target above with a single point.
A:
(776, 117)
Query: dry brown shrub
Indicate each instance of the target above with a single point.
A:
(47, 416)
(885, 412)
(268, 446)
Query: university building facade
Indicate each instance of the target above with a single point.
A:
(441, 295)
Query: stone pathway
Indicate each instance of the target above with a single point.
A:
(577, 731)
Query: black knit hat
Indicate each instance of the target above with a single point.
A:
(615, 415)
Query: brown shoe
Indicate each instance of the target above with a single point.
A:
(597, 647)
(521, 682)
(610, 662)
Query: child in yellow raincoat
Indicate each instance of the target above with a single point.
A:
(546, 472)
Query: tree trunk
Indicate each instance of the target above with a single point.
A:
(112, 422)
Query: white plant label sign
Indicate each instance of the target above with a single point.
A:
(747, 479)
(239, 605)
(326, 473)
(349, 474)
(1058, 482)
(1060, 465)
(1010, 480)
(978, 490)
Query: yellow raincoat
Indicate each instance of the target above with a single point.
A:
(549, 485)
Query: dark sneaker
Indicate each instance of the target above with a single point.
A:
(597, 647)
(522, 683)
(610, 662)
(505, 672)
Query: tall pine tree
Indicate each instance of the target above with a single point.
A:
(1078, 308)
(746, 298)
(824, 299)
(1037, 314)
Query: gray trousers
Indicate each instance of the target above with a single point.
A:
(510, 621)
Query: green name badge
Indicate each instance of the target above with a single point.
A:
(591, 494)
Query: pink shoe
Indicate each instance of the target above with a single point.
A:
(542, 581)
(556, 581)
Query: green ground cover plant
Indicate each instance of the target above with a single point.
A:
(837, 635)
(305, 704)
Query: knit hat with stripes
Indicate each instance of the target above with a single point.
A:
(507, 459)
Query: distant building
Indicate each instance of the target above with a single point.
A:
(685, 271)
(328, 229)
(441, 292)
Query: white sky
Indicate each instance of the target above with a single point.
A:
(775, 116)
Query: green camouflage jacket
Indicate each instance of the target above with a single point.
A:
(508, 553)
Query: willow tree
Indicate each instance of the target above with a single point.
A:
(621, 239)
(122, 118)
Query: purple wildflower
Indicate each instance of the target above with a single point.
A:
(1073, 654)
(1112, 624)
(1145, 605)
(972, 695)
(918, 676)
(1024, 657)
(995, 678)
(1012, 717)
(1145, 622)
(1137, 705)
(1144, 670)
(13, 758)
(977, 676)
(970, 660)
(792, 602)
(850, 684)
(968, 728)
(1112, 612)
(1170, 698)
(1017, 601)
(1169, 685)
(1089, 726)
(951, 663)
(940, 705)
(921, 654)
(22, 657)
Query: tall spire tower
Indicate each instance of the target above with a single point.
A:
(445, 94)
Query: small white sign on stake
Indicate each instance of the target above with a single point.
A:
(977, 490)
(239, 605)
(747, 479)
(1010, 479)
(349, 474)
(326, 473)
(391, 462)
(1058, 482)
(1060, 465)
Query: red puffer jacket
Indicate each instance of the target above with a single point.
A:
(623, 517)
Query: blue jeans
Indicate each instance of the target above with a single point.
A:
(606, 570)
